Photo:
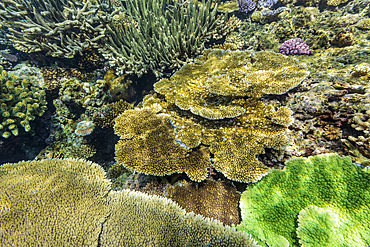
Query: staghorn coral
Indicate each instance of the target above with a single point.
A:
(20, 103)
(70, 202)
(213, 199)
(163, 35)
(147, 144)
(330, 182)
(60, 27)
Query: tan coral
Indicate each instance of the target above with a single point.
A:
(69, 202)
(213, 199)
(205, 88)
(148, 145)
(46, 201)
(147, 220)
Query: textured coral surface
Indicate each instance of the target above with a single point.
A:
(331, 185)
(69, 202)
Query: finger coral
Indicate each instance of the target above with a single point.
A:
(163, 35)
(326, 196)
(69, 202)
(20, 103)
(60, 27)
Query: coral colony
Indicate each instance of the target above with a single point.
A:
(295, 47)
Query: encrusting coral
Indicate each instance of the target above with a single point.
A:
(225, 117)
(327, 196)
(70, 202)
(63, 28)
(163, 35)
(213, 199)
(20, 103)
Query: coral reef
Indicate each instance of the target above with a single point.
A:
(246, 6)
(160, 37)
(104, 116)
(331, 191)
(214, 199)
(147, 144)
(155, 139)
(20, 103)
(60, 27)
(83, 94)
(229, 75)
(84, 128)
(295, 47)
(45, 202)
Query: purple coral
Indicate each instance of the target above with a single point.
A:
(295, 47)
(246, 6)
(267, 3)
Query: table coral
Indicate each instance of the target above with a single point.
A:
(330, 185)
(209, 88)
(147, 144)
(221, 91)
(70, 202)
(20, 103)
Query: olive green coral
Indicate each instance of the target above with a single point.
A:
(163, 35)
(69, 202)
(20, 103)
(327, 196)
(60, 27)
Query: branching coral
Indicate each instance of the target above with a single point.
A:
(162, 35)
(20, 103)
(330, 194)
(69, 202)
(63, 28)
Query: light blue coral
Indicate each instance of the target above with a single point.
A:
(321, 201)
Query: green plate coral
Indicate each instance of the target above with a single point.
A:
(317, 201)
